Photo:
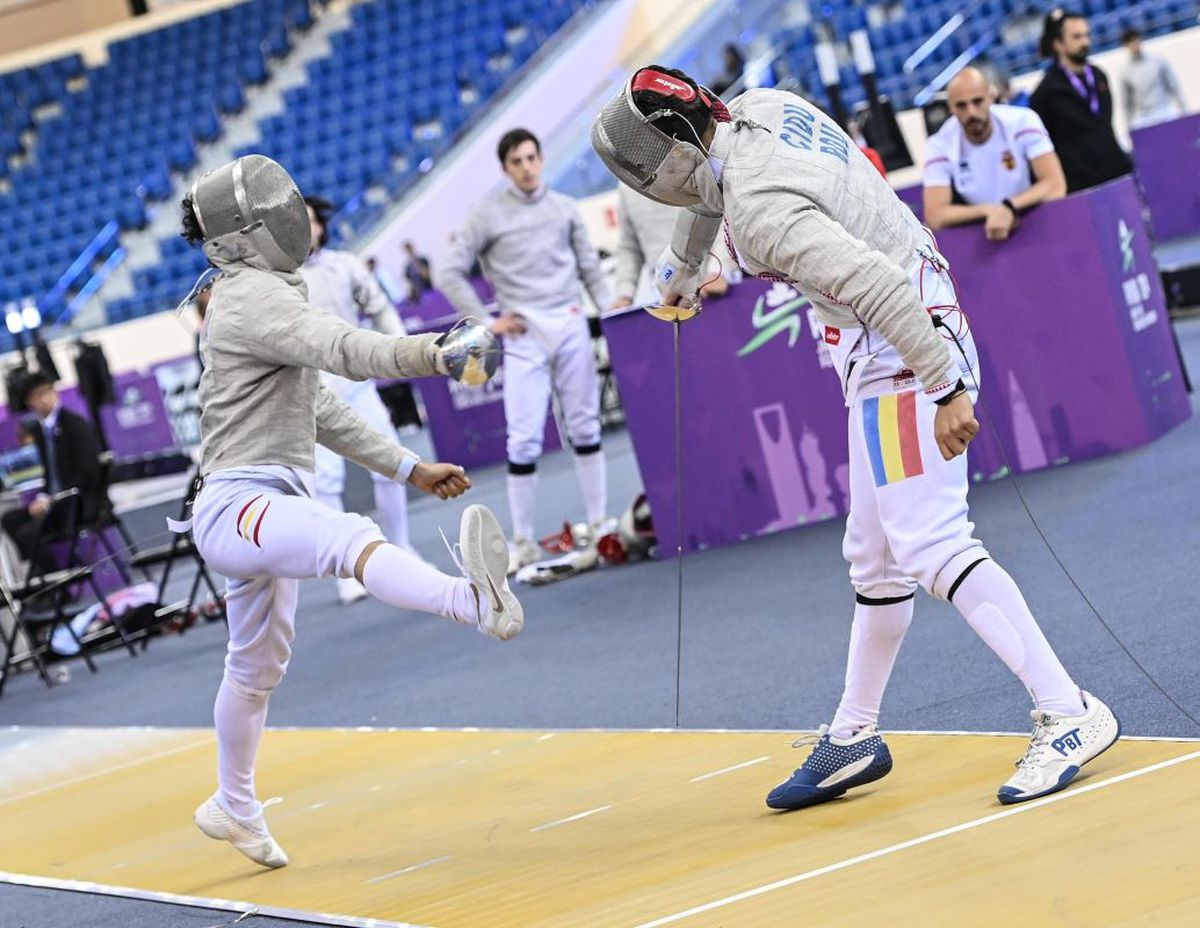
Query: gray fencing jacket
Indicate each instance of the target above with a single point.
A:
(802, 203)
(261, 397)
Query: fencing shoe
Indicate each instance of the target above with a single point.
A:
(484, 561)
(834, 766)
(350, 590)
(1060, 745)
(251, 838)
(521, 553)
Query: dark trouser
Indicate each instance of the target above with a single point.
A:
(24, 530)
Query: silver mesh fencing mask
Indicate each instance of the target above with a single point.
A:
(649, 161)
(255, 197)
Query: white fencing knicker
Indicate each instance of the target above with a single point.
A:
(908, 523)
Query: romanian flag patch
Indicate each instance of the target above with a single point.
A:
(893, 444)
(249, 520)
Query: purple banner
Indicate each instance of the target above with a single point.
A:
(135, 424)
(1076, 355)
(1167, 155)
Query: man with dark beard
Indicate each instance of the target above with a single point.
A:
(1075, 103)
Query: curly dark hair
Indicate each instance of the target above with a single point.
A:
(323, 209)
(693, 117)
(191, 230)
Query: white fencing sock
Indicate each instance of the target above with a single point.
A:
(990, 601)
(591, 468)
(240, 714)
(875, 639)
(400, 578)
(391, 511)
(522, 503)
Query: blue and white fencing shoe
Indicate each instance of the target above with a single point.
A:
(834, 766)
(1060, 745)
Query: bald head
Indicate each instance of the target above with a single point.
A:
(970, 98)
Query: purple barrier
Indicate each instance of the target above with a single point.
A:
(467, 424)
(914, 196)
(1076, 355)
(1168, 163)
(434, 307)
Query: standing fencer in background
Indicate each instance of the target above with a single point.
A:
(645, 228)
(340, 282)
(798, 201)
(263, 406)
(535, 250)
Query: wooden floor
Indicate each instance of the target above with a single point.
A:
(462, 829)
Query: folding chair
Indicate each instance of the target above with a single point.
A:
(44, 602)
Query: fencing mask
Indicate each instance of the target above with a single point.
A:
(256, 198)
(657, 165)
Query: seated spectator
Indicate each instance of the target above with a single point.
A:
(418, 273)
(70, 456)
(1075, 103)
(735, 67)
(989, 162)
(1150, 88)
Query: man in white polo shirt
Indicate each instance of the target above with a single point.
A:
(991, 162)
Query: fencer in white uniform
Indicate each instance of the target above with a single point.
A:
(799, 202)
(262, 409)
(535, 250)
(340, 282)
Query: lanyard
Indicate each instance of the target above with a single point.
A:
(1085, 87)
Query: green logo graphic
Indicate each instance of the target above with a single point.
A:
(1125, 237)
(771, 321)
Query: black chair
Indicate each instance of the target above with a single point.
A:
(45, 600)
(95, 529)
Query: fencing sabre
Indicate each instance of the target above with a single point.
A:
(677, 315)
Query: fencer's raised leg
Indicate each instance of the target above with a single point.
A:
(482, 598)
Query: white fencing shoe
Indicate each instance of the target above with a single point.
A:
(521, 553)
(484, 552)
(251, 838)
(1060, 745)
(350, 590)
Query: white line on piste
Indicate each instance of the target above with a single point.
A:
(717, 773)
(420, 866)
(915, 842)
(570, 818)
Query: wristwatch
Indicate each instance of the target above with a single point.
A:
(959, 389)
(1011, 207)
